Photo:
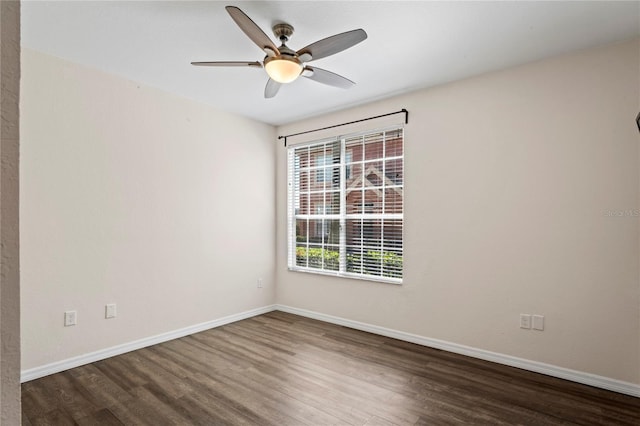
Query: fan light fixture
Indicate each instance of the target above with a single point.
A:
(284, 65)
(283, 69)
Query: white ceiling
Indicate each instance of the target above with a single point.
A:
(411, 45)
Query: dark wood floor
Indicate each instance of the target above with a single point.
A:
(282, 369)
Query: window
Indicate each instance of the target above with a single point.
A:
(346, 207)
(348, 160)
(321, 225)
(323, 173)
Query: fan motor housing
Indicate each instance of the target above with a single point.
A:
(282, 31)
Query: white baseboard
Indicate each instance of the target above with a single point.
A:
(525, 364)
(56, 367)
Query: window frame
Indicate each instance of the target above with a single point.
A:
(346, 167)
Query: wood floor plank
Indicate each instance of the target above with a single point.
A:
(102, 389)
(72, 397)
(282, 369)
(57, 417)
(117, 370)
(102, 417)
(37, 400)
(274, 396)
(25, 420)
(238, 406)
(306, 392)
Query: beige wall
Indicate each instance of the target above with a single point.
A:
(9, 228)
(509, 179)
(133, 196)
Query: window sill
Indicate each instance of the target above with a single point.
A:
(385, 280)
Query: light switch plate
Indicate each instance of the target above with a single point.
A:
(538, 322)
(110, 310)
(70, 318)
(525, 321)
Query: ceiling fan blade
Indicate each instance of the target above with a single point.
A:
(331, 45)
(253, 31)
(271, 89)
(228, 64)
(327, 77)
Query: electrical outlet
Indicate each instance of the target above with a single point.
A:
(259, 282)
(525, 321)
(110, 310)
(70, 318)
(538, 322)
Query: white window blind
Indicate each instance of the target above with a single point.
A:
(345, 206)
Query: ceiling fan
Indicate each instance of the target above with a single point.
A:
(284, 65)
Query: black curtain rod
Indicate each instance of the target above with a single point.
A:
(402, 111)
